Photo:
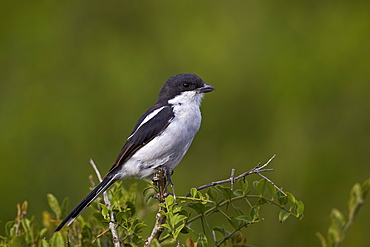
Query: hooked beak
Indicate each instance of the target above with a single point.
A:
(206, 88)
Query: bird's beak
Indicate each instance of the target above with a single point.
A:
(206, 88)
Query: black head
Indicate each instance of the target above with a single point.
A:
(177, 84)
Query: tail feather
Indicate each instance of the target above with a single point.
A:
(98, 190)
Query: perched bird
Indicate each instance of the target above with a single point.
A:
(160, 138)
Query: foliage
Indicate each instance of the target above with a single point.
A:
(338, 225)
(83, 232)
(187, 218)
(235, 206)
(239, 208)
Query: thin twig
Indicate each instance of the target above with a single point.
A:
(112, 225)
(243, 175)
(22, 210)
(101, 234)
(232, 179)
(160, 180)
(258, 169)
(267, 179)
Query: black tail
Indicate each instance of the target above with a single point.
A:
(103, 186)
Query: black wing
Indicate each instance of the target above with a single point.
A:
(145, 130)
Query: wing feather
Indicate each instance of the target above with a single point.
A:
(150, 124)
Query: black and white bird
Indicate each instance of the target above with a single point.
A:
(160, 138)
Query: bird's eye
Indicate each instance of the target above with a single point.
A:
(185, 84)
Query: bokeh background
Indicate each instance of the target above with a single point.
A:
(292, 79)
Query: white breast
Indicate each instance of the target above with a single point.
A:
(170, 146)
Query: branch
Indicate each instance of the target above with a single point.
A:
(258, 169)
(22, 210)
(112, 225)
(161, 182)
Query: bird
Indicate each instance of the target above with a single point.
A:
(160, 138)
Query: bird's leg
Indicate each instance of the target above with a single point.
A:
(169, 172)
(159, 180)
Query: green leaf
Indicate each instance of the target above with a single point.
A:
(262, 201)
(300, 208)
(292, 200)
(322, 239)
(64, 207)
(244, 218)
(283, 216)
(220, 229)
(177, 231)
(193, 192)
(234, 222)
(356, 193)
(243, 184)
(282, 199)
(254, 213)
(176, 210)
(365, 188)
(202, 241)
(166, 226)
(149, 192)
(170, 200)
(54, 205)
(57, 240)
(271, 188)
(184, 212)
(139, 226)
(199, 207)
(355, 199)
(155, 243)
(43, 232)
(26, 224)
(239, 210)
(34, 229)
(239, 193)
(255, 183)
(19, 241)
(261, 187)
(104, 211)
(123, 215)
(43, 243)
(336, 224)
(8, 227)
(120, 216)
(176, 219)
(212, 193)
(226, 192)
(337, 220)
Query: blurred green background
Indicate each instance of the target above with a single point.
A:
(292, 79)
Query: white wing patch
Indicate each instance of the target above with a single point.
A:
(147, 118)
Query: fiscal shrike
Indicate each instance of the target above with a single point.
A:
(160, 138)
